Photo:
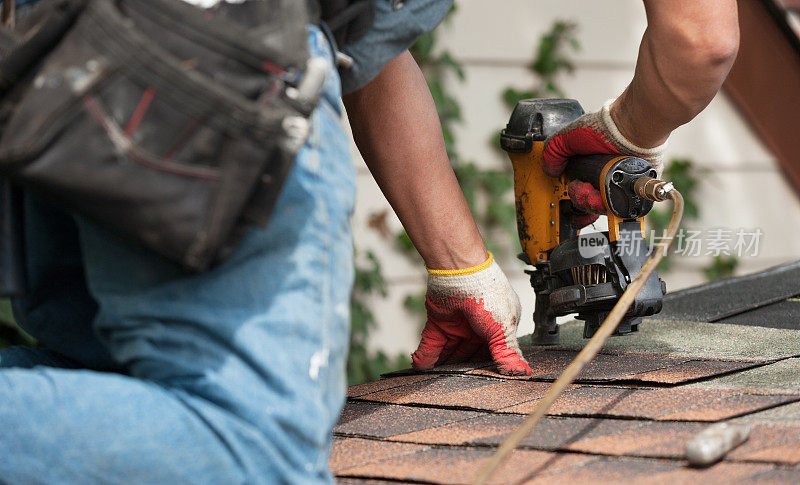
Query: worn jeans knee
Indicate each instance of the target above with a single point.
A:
(241, 367)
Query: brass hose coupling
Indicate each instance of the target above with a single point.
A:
(652, 189)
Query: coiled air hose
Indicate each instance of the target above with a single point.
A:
(649, 188)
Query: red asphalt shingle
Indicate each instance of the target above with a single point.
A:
(770, 442)
(720, 473)
(648, 471)
(350, 452)
(776, 476)
(694, 369)
(731, 406)
(388, 383)
(455, 368)
(470, 431)
(462, 391)
(633, 367)
(670, 404)
(604, 470)
(668, 440)
(493, 429)
(381, 420)
(460, 465)
(627, 402)
(787, 453)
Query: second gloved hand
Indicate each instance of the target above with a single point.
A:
(472, 313)
(591, 134)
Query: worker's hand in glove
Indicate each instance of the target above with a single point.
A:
(591, 134)
(471, 313)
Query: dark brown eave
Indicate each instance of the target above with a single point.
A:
(764, 82)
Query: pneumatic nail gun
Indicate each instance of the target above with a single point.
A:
(573, 272)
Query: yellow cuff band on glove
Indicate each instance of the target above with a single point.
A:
(460, 272)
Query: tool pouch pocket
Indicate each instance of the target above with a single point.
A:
(170, 125)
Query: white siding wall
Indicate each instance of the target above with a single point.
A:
(494, 41)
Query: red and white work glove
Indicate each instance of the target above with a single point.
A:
(591, 134)
(472, 313)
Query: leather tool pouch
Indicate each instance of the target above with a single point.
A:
(170, 125)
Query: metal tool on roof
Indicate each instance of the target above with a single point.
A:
(714, 442)
(563, 275)
(574, 272)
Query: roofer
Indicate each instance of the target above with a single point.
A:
(152, 374)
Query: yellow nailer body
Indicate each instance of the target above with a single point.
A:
(572, 272)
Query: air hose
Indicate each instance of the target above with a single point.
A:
(649, 188)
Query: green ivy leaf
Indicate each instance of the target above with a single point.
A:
(446, 61)
(722, 266)
(503, 214)
(423, 47)
(415, 303)
(497, 183)
(403, 242)
(512, 96)
(369, 279)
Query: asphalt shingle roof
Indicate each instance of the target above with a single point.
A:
(626, 419)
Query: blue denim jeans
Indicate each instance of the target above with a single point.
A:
(152, 375)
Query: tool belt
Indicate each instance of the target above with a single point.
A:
(170, 125)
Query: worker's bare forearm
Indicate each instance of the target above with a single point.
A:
(686, 52)
(397, 130)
